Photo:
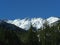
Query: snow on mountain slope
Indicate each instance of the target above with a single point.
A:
(35, 22)
(24, 24)
(52, 20)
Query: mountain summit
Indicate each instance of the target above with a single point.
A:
(13, 32)
(35, 22)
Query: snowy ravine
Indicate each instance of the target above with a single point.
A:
(35, 22)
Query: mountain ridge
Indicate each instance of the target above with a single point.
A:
(35, 22)
(12, 34)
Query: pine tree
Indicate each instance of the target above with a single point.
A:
(33, 39)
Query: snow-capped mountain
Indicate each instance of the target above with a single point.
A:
(25, 24)
(21, 23)
(35, 22)
(52, 19)
(7, 26)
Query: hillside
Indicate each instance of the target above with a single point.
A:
(46, 34)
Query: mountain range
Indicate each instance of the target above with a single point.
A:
(35, 31)
(35, 22)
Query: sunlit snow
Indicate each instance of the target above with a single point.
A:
(35, 22)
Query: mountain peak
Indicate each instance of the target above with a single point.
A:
(52, 19)
(35, 22)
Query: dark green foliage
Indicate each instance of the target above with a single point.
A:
(17, 36)
(32, 37)
(8, 37)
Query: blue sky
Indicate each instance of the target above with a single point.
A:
(12, 9)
